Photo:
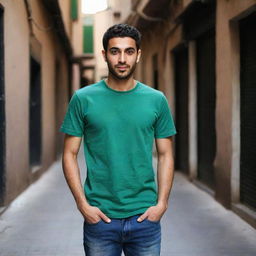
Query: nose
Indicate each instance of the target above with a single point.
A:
(122, 57)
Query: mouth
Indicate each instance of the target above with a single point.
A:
(122, 68)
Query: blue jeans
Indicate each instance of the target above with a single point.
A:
(128, 235)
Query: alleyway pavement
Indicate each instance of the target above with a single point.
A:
(44, 221)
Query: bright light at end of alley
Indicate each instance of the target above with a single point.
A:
(93, 6)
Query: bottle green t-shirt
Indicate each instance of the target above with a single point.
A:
(119, 128)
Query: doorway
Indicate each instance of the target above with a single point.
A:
(2, 111)
(181, 109)
(35, 142)
(206, 104)
(248, 111)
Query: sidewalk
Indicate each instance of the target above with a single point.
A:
(44, 221)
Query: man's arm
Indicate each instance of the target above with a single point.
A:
(165, 173)
(72, 174)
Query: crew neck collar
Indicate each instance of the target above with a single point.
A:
(131, 90)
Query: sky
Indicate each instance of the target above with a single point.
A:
(93, 6)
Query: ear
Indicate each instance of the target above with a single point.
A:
(104, 55)
(138, 56)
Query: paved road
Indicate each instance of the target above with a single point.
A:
(43, 221)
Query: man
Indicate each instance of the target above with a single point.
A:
(119, 118)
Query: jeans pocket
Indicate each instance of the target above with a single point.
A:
(152, 221)
(92, 224)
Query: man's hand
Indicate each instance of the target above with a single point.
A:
(153, 213)
(93, 214)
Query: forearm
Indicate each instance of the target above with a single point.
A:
(72, 175)
(165, 171)
(165, 174)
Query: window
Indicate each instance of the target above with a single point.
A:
(74, 10)
(88, 34)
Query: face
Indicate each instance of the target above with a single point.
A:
(121, 57)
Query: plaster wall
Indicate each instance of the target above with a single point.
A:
(20, 42)
(16, 60)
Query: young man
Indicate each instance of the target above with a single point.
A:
(119, 118)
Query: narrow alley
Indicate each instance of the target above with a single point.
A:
(44, 221)
(199, 54)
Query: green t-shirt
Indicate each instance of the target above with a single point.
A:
(119, 128)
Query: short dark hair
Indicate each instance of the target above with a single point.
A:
(121, 30)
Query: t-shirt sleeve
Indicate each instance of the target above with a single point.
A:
(73, 123)
(164, 126)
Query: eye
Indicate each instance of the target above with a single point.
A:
(114, 51)
(130, 51)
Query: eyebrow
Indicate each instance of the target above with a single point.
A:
(116, 48)
(130, 48)
(113, 48)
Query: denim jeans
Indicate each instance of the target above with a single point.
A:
(128, 235)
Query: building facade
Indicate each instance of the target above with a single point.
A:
(38, 40)
(201, 54)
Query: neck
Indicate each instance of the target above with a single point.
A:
(119, 84)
